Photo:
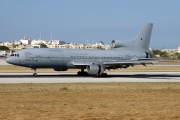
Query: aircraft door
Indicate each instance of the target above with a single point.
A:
(28, 56)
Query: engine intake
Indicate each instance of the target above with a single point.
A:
(95, 69)
(119, 43)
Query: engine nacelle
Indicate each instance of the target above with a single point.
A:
(95, 69)
(119, 43)
(60, 69)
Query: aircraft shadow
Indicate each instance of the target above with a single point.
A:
(92, 76)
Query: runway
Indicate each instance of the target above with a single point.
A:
(3, 61)
(73, 78)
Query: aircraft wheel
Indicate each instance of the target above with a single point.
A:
(98, 75)
(35, 74)
(82, 73)
(79, 73)
(104, 74)
(85, 73)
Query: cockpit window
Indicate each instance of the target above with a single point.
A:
(16, 55)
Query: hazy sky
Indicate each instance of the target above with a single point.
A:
(79, 21)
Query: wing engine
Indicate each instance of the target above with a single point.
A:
(95, 69)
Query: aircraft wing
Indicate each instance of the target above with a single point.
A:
(140, 61)
(82, 63)
(134, 61)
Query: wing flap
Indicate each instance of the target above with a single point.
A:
(141, 61)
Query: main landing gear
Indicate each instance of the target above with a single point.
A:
(34, 74)
(102, 75)
(82, 73)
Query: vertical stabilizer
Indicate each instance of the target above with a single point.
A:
(143, 38)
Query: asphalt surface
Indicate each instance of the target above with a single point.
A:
(3, 61)
(73, 78)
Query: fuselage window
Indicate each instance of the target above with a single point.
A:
(17, 55)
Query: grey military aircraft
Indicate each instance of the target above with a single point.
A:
(123, 54)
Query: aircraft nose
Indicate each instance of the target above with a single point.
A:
(8, 60)
(11, 60)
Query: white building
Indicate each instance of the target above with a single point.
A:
(1, 44)
(37, 42)
(25, 42)
(49, 43)
(57, 42)
(179, 49)
(16, 42)
(8, 44)
(170, 50)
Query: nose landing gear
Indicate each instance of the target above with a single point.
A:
(34, 74)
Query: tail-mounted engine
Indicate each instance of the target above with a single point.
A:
(95, 69)
(119, 43)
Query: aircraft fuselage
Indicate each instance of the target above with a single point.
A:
(50, 58)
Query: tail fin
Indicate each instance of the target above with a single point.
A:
(143, 38)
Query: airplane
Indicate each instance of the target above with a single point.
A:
(123, 54)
